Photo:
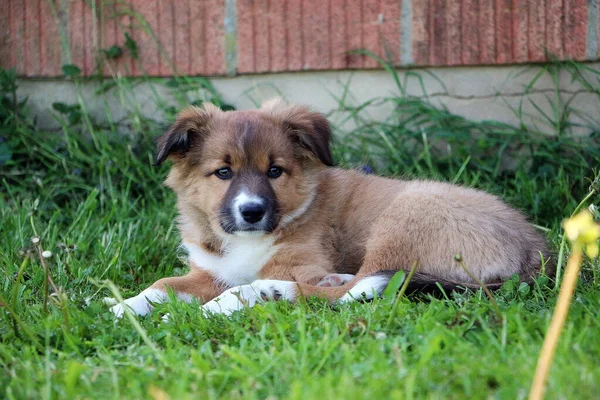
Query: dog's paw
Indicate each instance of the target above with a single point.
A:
(140, 304)
(334, 280)
(109, 301)
(366, 289)
(236, 298)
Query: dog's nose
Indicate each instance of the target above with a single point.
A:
(252, 212)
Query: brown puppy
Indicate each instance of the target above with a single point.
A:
(263, 216)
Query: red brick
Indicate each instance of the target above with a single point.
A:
(107, 25)
(437, 28)
(420, 32)
(261, 35)
(17, 29)
(52, 47)
(32, 39)
(245, 36)
(537, 30)
(338, 35)
(453, 39)
(520, 35)
(390, 30)
(110, 16)
(124, 25)
(277, 35)
(575, 28)
(215, 35)
(487, 32)
(145, 18)
(504, 31)
(77, 33)
(90, 43)
(295, 41)
(371, 31)
(354, 26)
(554, 28)
(5, 36)
(470, 32)
(182, 42)
(165, 32)
(315, 21)
(198, 38)
(108, 35)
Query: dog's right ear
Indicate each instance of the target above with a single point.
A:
(309, 130)
(188, 130)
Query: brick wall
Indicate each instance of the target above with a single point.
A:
(210, 37)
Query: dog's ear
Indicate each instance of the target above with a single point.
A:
(309, 129)
(188, 130)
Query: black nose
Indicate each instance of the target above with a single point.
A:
(252, 212)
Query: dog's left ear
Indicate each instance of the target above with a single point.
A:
(309, 129)
(188, 130)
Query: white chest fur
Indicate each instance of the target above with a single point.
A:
(241, 263)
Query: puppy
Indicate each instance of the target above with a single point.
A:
(263, 215)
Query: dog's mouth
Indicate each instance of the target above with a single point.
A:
(233, 226)
(251, 232)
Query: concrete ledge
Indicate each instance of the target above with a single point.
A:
(477, 93)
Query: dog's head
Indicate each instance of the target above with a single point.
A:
(248, 172)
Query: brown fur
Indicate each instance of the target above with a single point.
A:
(357, 224)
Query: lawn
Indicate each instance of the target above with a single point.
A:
(91, 195)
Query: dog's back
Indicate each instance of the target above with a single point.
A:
(388, 224)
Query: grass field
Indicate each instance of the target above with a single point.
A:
(91, 195)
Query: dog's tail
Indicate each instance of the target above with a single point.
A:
(368, 287)
(425, 283)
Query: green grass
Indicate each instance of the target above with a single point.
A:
(94, 199)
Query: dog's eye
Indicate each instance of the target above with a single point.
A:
(274, 172)
(223, 173)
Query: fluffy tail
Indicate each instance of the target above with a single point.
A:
(424, 283)
(374, 285)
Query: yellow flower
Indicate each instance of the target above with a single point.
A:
(592, 250)
(583, 231)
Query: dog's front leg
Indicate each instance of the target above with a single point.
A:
(314, 276)
(197, 283)
(259, 291)
(284, 284)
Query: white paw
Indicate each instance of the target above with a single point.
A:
(166, 317)
(367, 288)
(109, 301)
(236, 298)
(140, 304)
(335, 280)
